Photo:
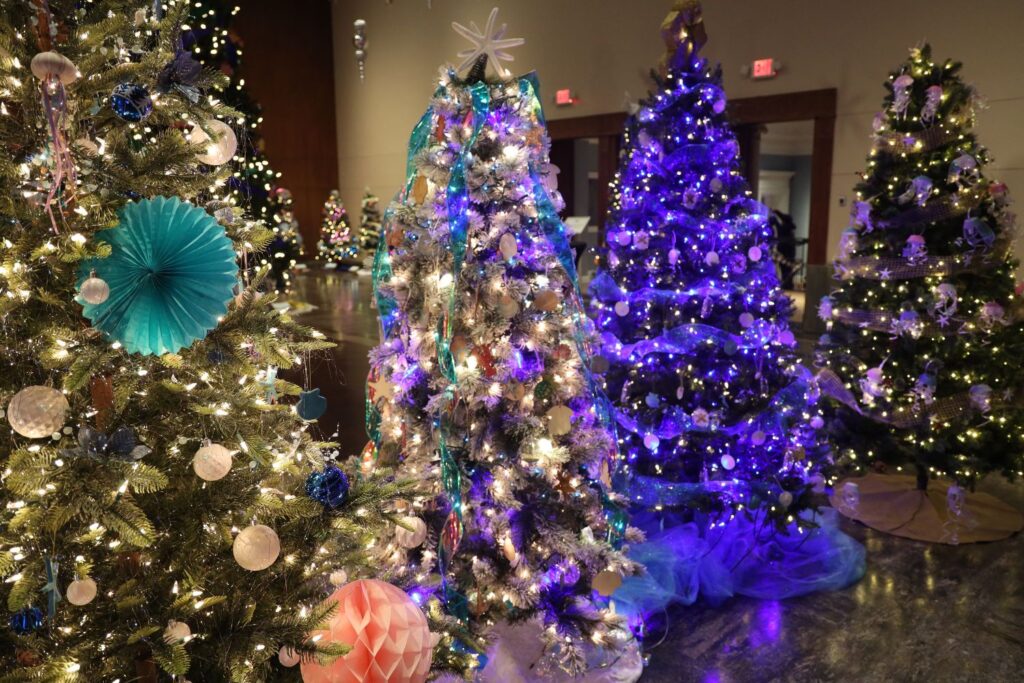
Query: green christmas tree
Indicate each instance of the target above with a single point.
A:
(924, 339)
(286, 248)
(337, 245)
(159, 513)
(212, 41)
(369, 225)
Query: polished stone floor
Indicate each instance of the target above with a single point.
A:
(927, 613)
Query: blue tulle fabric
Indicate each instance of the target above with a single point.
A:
(740, 557)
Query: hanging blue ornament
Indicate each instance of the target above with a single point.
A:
(26, 620)
(131, 102)
(329, 488)
(311, 405)
(170, 271)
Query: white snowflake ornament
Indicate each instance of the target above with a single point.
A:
(490, 42)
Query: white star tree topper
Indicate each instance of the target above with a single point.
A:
(490, 42)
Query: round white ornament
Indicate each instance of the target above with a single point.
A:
(37, 412)
(81, 592)
(339, 577)
(94, 290)
(652, 442)
(212, 461)
(817, 422)
(559, 420)
(757, 438)
(621, 308)
(673, 256)
(176, 632)
(785, 499)
(288, 657)
(256, 547)
(47, 64)
(754, 253)
(728, 462)
(712, 258)
(413, 538)
(219, 151)
(624, 238)
(508, 246)
(746, 320)
(508, 307)
(715, 185)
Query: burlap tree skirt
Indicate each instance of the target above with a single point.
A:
(892, 503)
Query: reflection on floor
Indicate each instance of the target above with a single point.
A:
(922, 613)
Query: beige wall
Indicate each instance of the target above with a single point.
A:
(603, 49)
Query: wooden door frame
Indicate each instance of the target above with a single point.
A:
(816, 105)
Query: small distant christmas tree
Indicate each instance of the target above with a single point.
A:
(286, 248)
(337, 244)
(481, 389)
(925, 339)
(714, 413)
(369, 224)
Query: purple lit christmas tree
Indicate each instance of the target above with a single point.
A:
(714, 414)
(481, 389)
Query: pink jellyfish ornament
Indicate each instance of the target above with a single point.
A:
(901, 94)
(915, 250)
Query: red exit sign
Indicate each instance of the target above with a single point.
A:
(763, 68)
(564, 97)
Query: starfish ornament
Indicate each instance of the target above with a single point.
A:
(490, 42)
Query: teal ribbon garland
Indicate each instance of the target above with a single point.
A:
(554, 231)
(451, 474)
(51, 588)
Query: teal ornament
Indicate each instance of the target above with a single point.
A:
(311, 405)
(50, 588)
(170, 271)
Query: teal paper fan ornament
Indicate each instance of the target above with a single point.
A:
(171, 272)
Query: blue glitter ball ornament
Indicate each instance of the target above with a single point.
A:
(329, 488)
(131, 102)
(26, 620)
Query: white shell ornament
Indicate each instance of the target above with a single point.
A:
(81, 592)
(256, 547)
(219, 151)
(508, 246)
(559, 420)
(338, 578)
(50, 63)
(37, 411)
(94, 290)
(288, 657)
(415, 537)
(212, 461)
(176, 632)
